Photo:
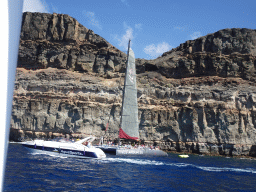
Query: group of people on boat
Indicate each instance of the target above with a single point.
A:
(111, 143)
(132, 146)
(87, 143)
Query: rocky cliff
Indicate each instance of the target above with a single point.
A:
(59, 41)
(199, 97)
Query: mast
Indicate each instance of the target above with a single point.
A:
(129, 124)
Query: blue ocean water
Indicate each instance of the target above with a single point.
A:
(41, 172)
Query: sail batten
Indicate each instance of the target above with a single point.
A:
(129, 117)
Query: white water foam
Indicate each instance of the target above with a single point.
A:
(14, 142)
(133, 161)
(226, 169)
(215, 169)
(157, 163)
(47, 153)
(56, 155)
(35, 153)
(180, 165)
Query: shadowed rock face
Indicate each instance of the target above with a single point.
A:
(59, 41)
(226, 41)
(226, 53)
(199, 97)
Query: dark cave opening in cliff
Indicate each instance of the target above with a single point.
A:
(150, 67)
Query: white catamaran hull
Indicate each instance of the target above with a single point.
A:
(124, 151)
(143, 152)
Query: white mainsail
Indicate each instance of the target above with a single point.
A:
(129, 119)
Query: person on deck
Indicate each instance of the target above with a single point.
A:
(89, 144)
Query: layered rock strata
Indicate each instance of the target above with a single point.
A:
(199, 97)
(59, 41)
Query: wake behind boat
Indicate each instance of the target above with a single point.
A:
(66, 148)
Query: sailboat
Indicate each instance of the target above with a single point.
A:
(129, 123)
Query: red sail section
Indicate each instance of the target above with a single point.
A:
(123, 135)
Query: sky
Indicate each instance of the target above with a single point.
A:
(154, 26)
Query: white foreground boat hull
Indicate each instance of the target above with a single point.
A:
(64, 149)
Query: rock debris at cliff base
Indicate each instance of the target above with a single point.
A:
(199, 97)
